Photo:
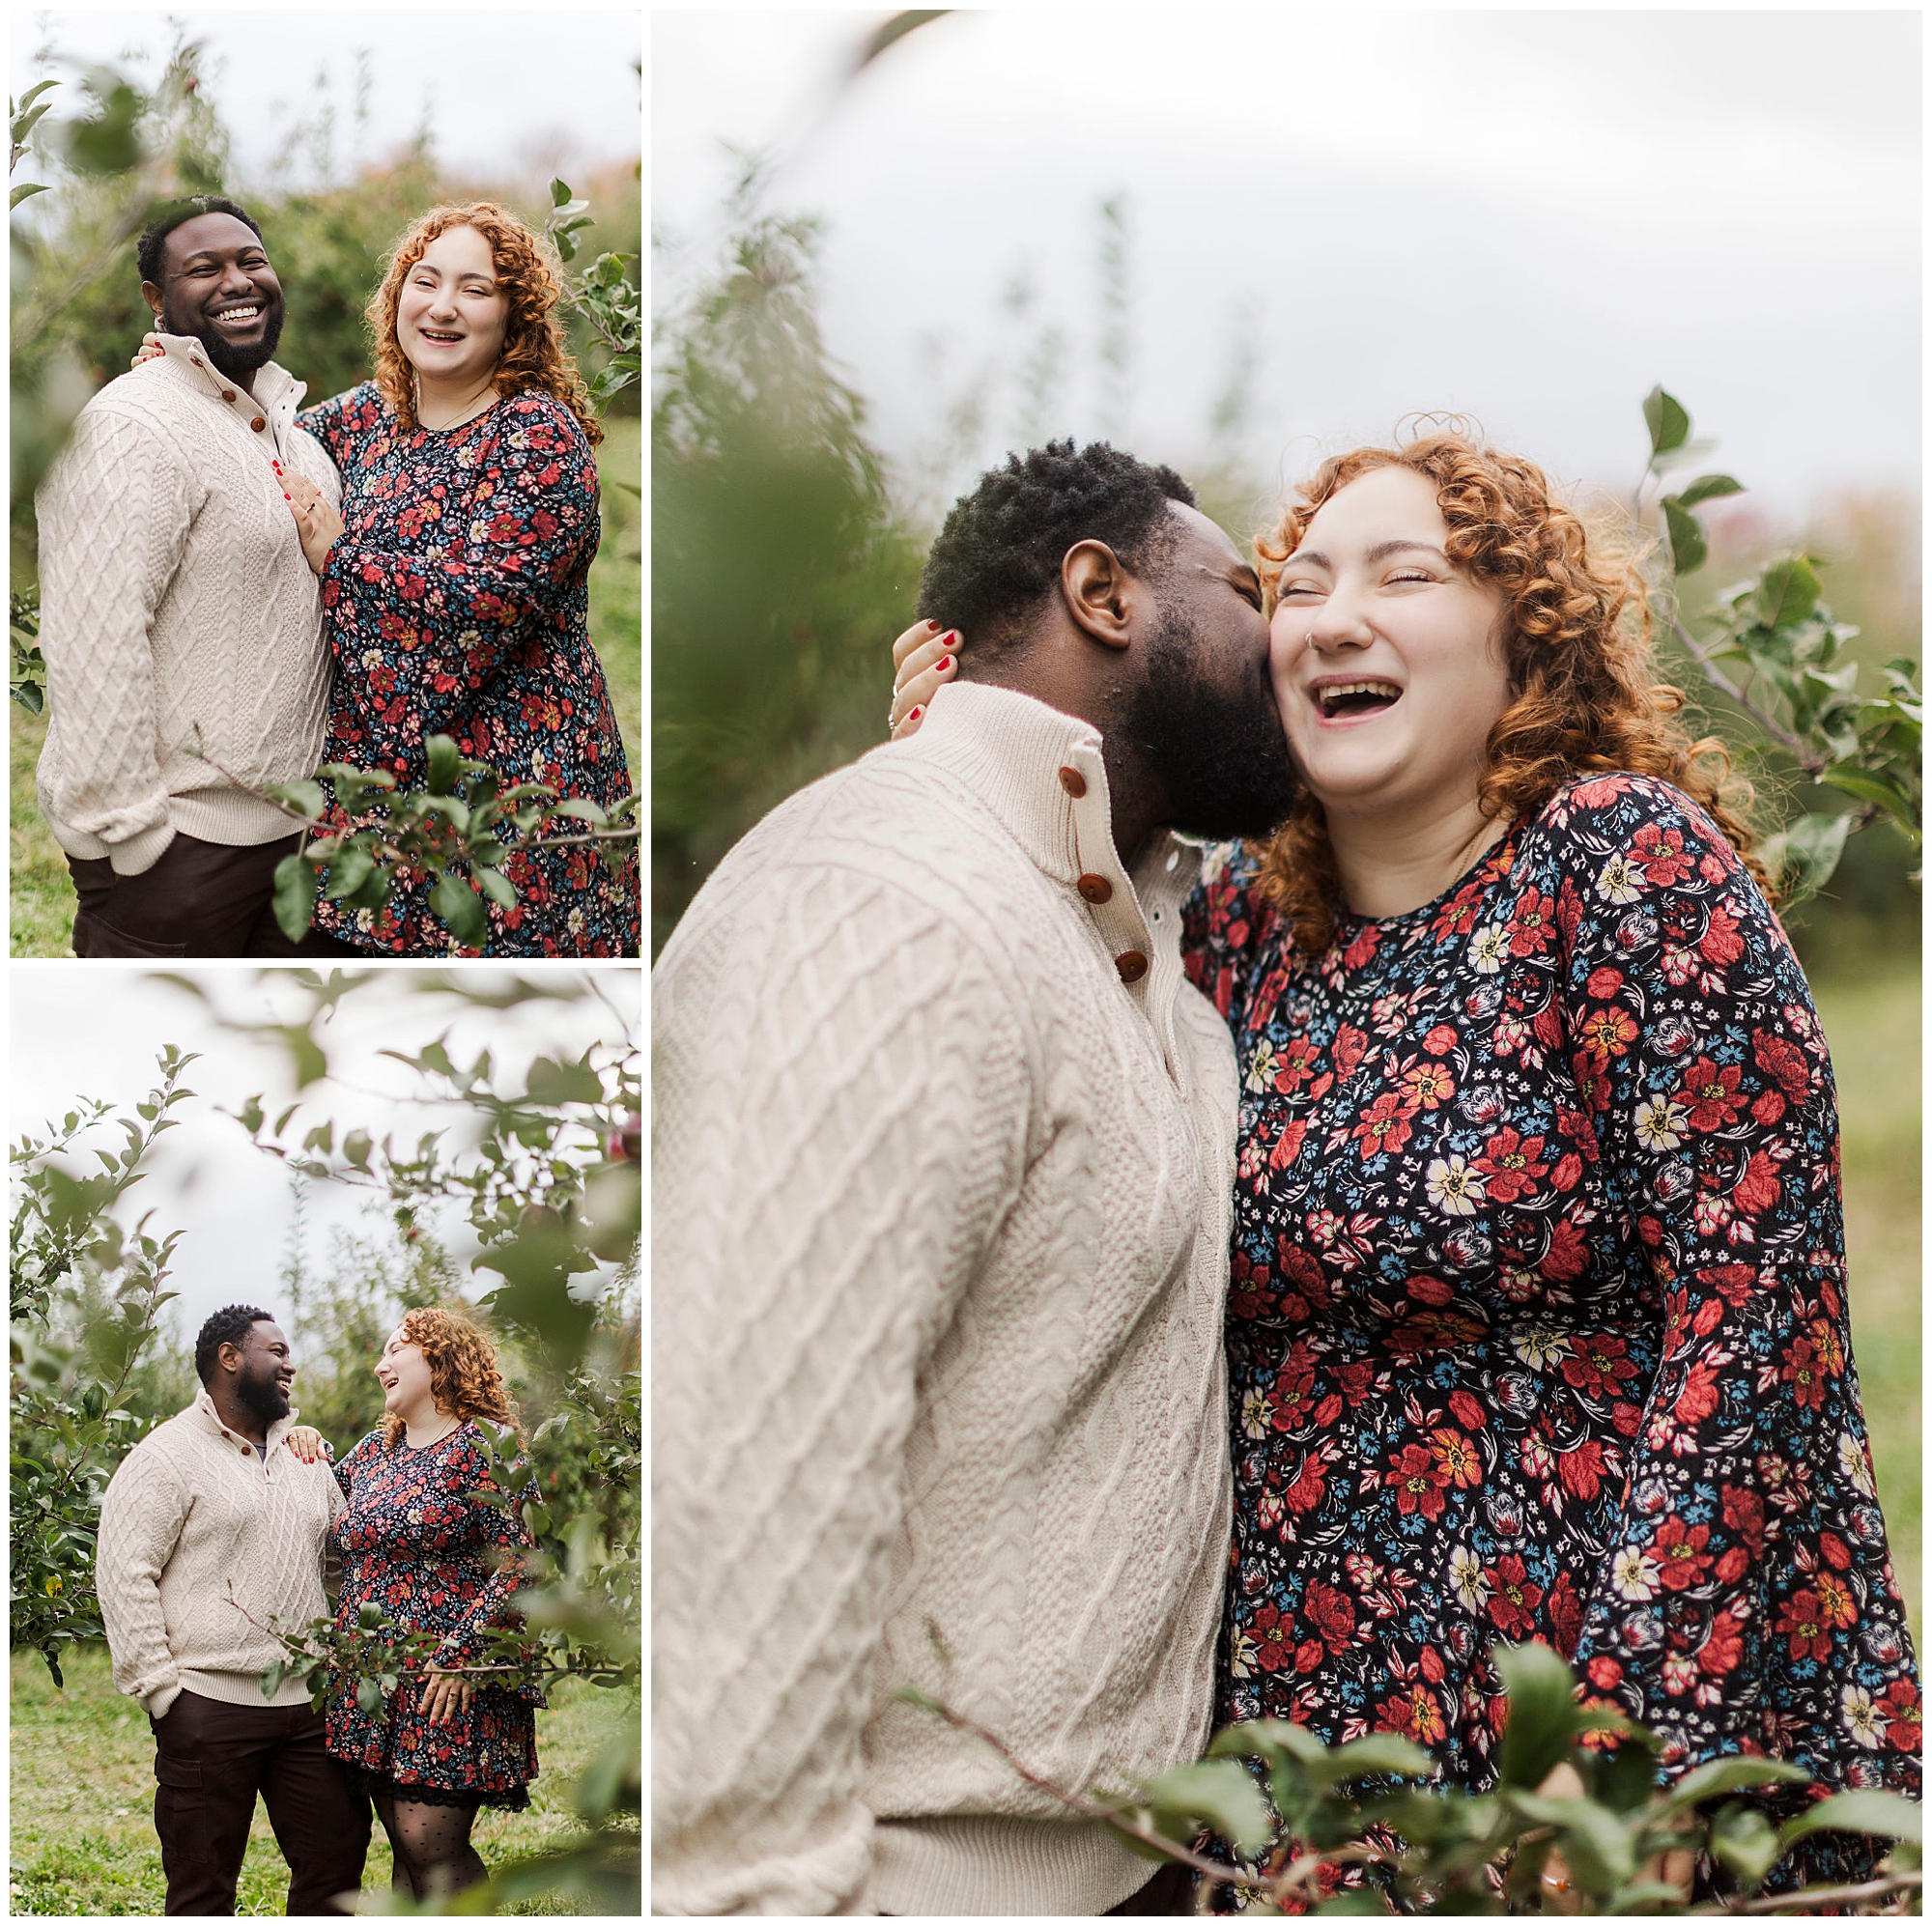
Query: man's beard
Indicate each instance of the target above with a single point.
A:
(263, 1395)
(237, 364)
(1221, 751)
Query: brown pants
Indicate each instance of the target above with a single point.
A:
(198, 899)
(211, 1760)
(1170, 1890)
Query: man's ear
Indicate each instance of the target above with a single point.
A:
(152, 295)
(1098, 592)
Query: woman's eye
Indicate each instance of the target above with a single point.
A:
(1413, 575)
(1297, 588)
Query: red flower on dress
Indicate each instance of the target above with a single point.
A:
(1679, 1550)
(1332, 1614)
(1598, 1364)
(1510, 1166)
(1804, 1623)
(1418, 1482)
(1270, 1632)
(1709, 1094)
(1513, 1599)
(1905, 1719)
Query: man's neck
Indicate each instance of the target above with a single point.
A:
(1136, 796)
(239, 1418)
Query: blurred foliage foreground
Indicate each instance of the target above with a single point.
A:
(76, 318)
(549, 1190)
(783, 563)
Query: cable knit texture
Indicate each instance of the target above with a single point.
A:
(197, 1534)
(177, 611)
(940, 1223)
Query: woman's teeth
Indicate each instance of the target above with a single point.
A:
(1354, 697)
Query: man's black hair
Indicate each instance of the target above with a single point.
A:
(998, 553)
(229, 1325)
(172, 214)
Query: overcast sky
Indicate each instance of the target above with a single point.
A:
(95, 1032)
(1529, 215)
(501, 88)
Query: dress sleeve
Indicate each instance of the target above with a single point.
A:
(331, 421)
(1746, 1600)
(417, 633)
(1221, 925)
(501, 1526)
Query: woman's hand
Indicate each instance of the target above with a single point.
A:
(1676, 1867)
(318, 523)
(150, 349)
(444, 1696)
(308, 1444)
(922, 658)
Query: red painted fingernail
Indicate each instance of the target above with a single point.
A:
(951, 635)
(944, 662)
(930, 623)
(913, 715)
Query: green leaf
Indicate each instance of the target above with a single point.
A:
(583, 812)
(348, 870)
(368, 1615)
(1665, 418)
(1687, 548)
(1380, 1753)
(295, 896)
(1731, 1775)
(26, 190)
(271, 1678)
(1786, 592)
(560, 193)
(1221, 1791)
(1351, 1904)
(496, 885)
(445, 761)
(1542, 1712)
(461, 908)
(355, 1148)
(1709, 488)
(1744, 1842)
(553, 1083)
(369, 1696)
(1804, 856)
(304, 796)
(1882, 1815)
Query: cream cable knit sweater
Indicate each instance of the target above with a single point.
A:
(940, 1223)
(176, 606)
(193, 1526)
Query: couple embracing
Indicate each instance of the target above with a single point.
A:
(215, 1533)
(1121, 1286)
(237, 591)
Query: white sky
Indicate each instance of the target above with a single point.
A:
(1531, 215)
(502, 88)
(94, 1030)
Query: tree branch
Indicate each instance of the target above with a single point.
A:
(1811, 1899)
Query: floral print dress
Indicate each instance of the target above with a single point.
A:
(1537, 1326)
(456, 602)
(414, 1540)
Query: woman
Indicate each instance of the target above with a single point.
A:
(1537, 1327)
(454, 583)
(419, 1541)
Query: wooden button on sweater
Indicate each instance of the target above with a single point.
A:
(1073, 782)
(1095, 889)
(1131, 965)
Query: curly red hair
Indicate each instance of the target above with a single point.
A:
(465, 1377)
(533, 354)
(1576, 641)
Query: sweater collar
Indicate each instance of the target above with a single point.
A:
(203, 1412)
(1041, 774)
(270, 412)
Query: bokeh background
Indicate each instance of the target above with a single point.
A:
(335, 129)
(887, 248)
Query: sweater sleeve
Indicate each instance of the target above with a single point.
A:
(1747, 1600)
(417, 633)
(113, 516)
(141, 1517)
(843, 1104)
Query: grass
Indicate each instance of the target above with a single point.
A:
(1872, 1022)
(41, 918)
(83, 1799)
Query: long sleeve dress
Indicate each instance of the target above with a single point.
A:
(456, 602)
(415, 1542)
(1537, 1326)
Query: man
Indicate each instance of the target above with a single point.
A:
(181, 624)
(209, 1534)
(943, 1155)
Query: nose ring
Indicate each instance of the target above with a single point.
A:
(1308, 641)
